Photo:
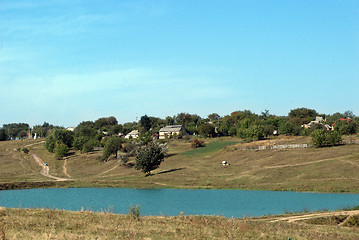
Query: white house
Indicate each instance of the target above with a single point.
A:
(132, 134)
(171, 130)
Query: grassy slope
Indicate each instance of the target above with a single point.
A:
(332, 169)
(54, 224)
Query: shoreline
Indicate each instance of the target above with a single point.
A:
(97, 184)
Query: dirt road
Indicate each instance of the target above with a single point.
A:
(312, 215)
(45, 169)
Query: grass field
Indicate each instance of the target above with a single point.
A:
(55, 224)
(334, 169)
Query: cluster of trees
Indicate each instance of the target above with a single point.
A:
(244, 124)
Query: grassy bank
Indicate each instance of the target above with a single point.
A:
(333, 169)
(55, 224)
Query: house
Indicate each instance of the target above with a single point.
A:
(70, 129)
(171, 130)
(318, 120)
(132, 134)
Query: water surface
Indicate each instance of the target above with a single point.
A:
(171, 202)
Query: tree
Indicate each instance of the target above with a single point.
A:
(50, 143)
(145, 122)
(61, 151)
(112, 146)
(299, 116)
(322, 138)
(207, 130)
(214, 117)
(3, 135)
(149, 157)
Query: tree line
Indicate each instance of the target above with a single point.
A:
(107, 134)
(244, 124)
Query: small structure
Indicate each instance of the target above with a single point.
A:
(171, 130)
(132, 134)
(318, 120)
(70, 129)
(225, 163)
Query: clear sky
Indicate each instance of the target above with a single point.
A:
(68, 61)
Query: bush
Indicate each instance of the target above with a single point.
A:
(196, 143)
(88, 147)
(61, 151)
(25, 150)
(134, 212)
(321, 138)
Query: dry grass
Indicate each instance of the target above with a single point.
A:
(55, 224)
(333, 169)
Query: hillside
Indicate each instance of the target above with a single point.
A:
(333, 169)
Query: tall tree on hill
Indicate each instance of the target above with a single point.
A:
(149, 157)
(300, 116)
(145, 122)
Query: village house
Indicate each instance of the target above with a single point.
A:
(318, 120)
(132, 134)
(171, 130)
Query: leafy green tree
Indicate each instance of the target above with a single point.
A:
(145, 122)
(64, 136)
(58, 137)
(286, 127)
(3, 135)
(89, 146)
(322, 138)
(112, 146)
(207, 130)
(79, 142)
(346, 127)
(214, 117)
(149, 157)
(61, 151)
(170, 120)
(300, 116)
(319, 138)
(105, 122)
(16, 130)
(50, 143)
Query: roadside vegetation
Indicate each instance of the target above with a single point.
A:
(56, 224)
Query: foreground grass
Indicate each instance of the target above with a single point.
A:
(56, 224)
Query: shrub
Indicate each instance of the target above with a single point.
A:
(196, 143)
(61, 151)
(134, 212)
(25, 150)
(321, 138)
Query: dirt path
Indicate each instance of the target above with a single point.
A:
(312, 215)
(45, 169)
(65, 169)
(32, 144)
(109, 170)
(303, 164)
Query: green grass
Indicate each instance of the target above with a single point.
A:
(209, 149)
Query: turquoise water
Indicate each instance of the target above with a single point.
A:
(171, 202)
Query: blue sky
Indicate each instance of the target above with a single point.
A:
(68, 61)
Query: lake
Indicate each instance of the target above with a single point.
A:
(171, 202)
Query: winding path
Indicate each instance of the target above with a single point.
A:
(45, 169)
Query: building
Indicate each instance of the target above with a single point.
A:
(132, 134)
(171, 130)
